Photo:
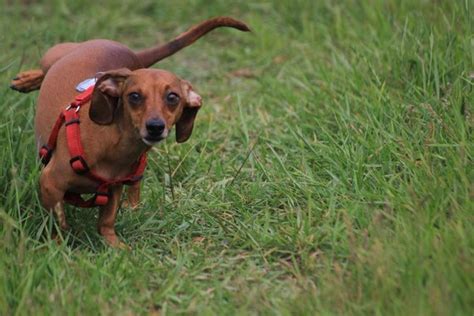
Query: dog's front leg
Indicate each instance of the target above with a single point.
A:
(107, 215)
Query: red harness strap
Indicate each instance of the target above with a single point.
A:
(70, 118)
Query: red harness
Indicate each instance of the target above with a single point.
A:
(70, 118)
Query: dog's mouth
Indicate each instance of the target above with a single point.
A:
(151, 140)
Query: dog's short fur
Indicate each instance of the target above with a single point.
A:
(132, 108)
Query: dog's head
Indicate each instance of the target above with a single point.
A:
(152, 100)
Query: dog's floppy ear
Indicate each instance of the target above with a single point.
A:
(106, 95)
(184, 126)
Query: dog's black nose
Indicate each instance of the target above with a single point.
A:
(155, 127)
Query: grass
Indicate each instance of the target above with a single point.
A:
(330, 170)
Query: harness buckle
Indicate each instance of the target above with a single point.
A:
(101, 198)
(79, 165)
(45, 154)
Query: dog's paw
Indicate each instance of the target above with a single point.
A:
(114, 242)
(133, 205)
(123, 246)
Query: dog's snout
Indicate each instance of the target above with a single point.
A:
(155, 127)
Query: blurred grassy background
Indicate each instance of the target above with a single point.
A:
(330, 170)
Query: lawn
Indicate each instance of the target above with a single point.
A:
(330, 170)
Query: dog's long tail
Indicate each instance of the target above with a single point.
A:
(152, 55)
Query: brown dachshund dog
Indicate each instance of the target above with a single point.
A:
(130, 109)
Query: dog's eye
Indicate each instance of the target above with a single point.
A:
(172, 98)
(134, 98)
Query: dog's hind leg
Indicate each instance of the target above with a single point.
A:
(30, 80)
(27, 81)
